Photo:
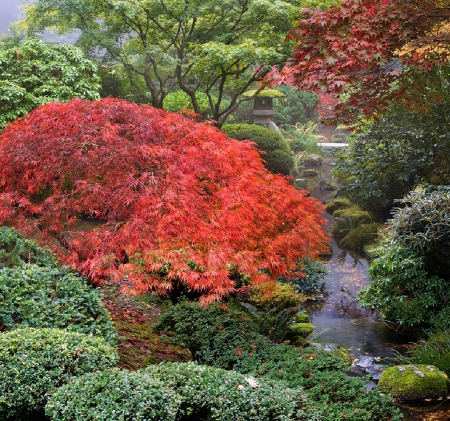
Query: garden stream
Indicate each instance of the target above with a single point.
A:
(339, 320)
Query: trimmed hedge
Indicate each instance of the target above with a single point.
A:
(34, 362)
(276, 151)
(172, 392)
(52, 297)
(113, 395)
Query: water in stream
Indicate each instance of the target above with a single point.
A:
(358, 330)
(338, 319)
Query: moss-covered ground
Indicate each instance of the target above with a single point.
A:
(134, 317)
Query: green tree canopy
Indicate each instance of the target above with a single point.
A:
(34, 73)
(217, 47)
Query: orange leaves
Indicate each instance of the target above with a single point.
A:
(149, 199)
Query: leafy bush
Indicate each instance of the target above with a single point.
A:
(175, 392)
(410, 279)
(311, 277)
(15, 250)
(422, 224)
(229, 339)
(34, 362)
(338, 396)
(216, 335)
(277, 153)
(34, 72)
(213, 394)
(35, 296)
(220, 342)
(113, 396)
(405, 148)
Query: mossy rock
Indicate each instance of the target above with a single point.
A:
(337, 204)
(348, 219)
(343, 353)
(309, 173)
(355, 213)
(302, 318)
(301, 329)
(358, 237)
(298, 341)
(311, 160)
(413, 382)
(328, 185)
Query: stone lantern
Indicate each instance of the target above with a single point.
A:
(263, 107)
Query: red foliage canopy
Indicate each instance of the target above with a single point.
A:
(367, 45)
(170, 201)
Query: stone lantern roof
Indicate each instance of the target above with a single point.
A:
(263, 106)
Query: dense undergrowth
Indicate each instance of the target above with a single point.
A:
(243, 366)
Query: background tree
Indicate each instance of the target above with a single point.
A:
(172, 203)
(33, 73)
(373, 51)
(218, 48)
(403, 150)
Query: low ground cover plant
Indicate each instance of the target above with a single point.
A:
(34, 362)
(175, 392)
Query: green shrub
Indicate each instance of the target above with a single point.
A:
(410, 278)
(403, 291)
(217, 335)
(311, 278)
(33, 362)
(277, 153)
(339, 397)
(35, 296)
(113, 396)
(213, 394)
(221, 342)
(175, 392)
(15, 250)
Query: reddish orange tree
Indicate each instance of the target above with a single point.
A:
(151, 200)
(374, 51)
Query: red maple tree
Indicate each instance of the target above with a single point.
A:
(150, 200)
(363, 46)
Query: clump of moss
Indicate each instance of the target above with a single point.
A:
(301, 329)
(302, 318)
(360, 236)
(310, 160)
(337, 204)
(348, 219)
(410, 382)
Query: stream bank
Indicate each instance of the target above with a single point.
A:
(338, 319)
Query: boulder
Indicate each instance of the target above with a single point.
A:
(360, 236)
(301, 329)
(337, 204)
(413, 382)
(311, 161)
(309, 173)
